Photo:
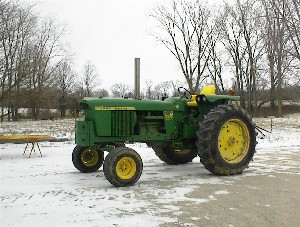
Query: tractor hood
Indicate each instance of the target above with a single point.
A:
(126, 104)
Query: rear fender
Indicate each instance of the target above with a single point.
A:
(214, 98)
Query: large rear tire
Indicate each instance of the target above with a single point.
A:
(172, 156)
(123, 167)
(87, 159)
(226, 140)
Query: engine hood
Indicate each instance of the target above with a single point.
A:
(128, 104)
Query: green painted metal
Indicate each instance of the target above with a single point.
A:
(108, 121)
(214, 98)
(93, 103)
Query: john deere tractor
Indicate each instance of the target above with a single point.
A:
(177, 129)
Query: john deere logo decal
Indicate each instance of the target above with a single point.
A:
(114, 108)
(169, 116)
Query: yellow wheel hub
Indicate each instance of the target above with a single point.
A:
(234, 141)
(89, 157)
(126, 168)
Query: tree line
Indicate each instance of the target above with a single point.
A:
(36, 70)
(256, 41)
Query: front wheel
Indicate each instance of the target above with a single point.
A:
(123, 167)
(87, 159)
(226, 140)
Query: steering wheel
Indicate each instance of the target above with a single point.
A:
(183, 92)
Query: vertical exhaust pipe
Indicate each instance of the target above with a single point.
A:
(137, 82)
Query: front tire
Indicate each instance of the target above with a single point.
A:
(226, 140)
(87, 159)
(123, 167)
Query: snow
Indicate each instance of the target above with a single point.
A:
(49, 191)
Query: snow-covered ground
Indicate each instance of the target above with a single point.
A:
(49, 191)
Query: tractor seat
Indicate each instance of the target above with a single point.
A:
(206, 90)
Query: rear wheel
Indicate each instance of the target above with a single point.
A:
(173, 156)
(226, 140)
(87, 159)
(123, 167)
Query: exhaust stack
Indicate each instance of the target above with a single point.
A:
(137, 82)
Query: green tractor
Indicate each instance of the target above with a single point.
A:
(177, 129)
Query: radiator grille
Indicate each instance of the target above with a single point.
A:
(122, 123)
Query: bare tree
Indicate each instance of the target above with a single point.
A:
(292, 22)
(121, 90)
(163, 89)
(270, 40)
(65, 82)
(243, 42)
(277, 46)
(175, 84)
(149, 89)
(186, 29)
(250, 22)
(103, 93)
(90, 78)
(17, 26)
(215, 65)
(47, 55)
(232, 39)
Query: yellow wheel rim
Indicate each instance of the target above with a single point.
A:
(89, 157)
(234, 141)
(126, 168)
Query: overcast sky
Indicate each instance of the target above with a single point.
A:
(111, 33)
